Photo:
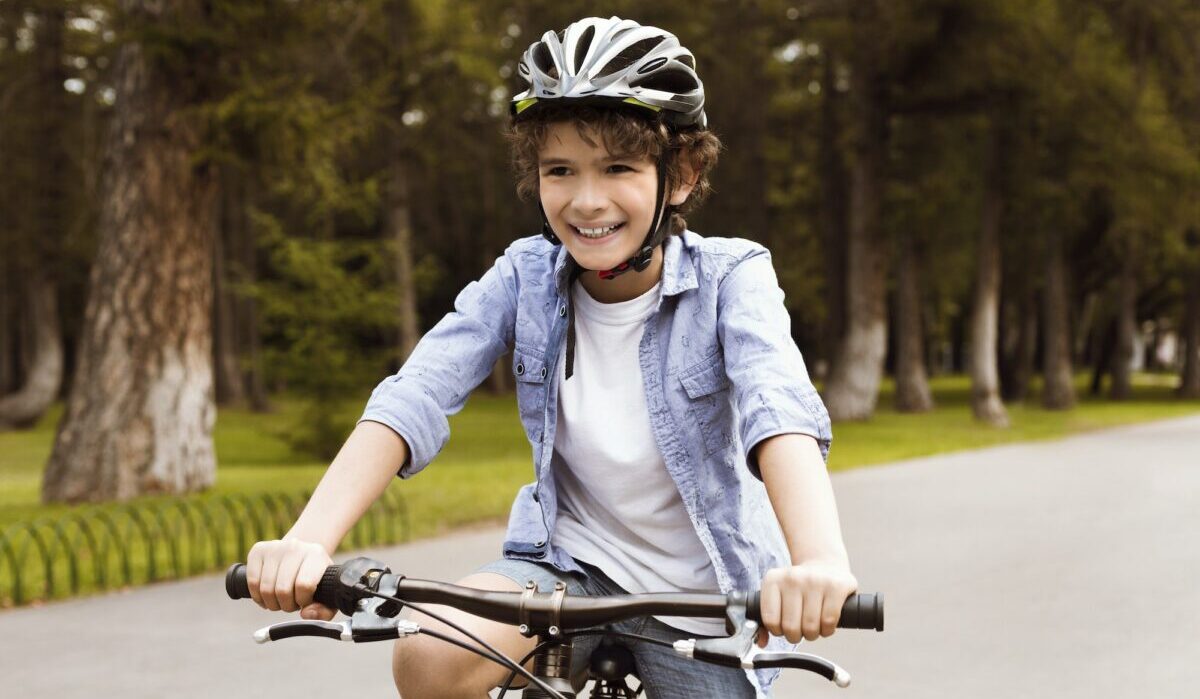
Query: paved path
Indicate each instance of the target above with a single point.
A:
(1061, 569)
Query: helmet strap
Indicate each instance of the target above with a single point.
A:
(657, 233)
(654, 237)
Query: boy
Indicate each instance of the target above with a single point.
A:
(657, 381)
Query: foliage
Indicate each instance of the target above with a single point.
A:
(326, 298)
(311, 107)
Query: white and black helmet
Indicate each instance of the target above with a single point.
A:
(613, 60)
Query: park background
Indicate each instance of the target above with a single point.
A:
(222, 223)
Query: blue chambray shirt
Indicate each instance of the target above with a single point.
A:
(721, 371)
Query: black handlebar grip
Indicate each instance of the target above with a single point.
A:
(235, 582)
(326, 592)
(237, 587)
(861, 611)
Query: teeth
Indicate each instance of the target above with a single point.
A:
(596, 232)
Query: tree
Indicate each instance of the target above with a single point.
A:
(985, 314)
(140, 413)
(41, 151)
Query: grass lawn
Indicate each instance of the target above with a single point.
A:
(488, 458)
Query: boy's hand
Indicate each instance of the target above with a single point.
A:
(282, 576)
(804, 601)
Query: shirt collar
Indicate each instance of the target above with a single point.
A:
(678, 274)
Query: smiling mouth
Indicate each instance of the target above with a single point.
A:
(597, 233)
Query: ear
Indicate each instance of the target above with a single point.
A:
(688, 178)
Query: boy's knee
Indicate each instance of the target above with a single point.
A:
(427, 668)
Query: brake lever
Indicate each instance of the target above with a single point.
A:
(337, 630)
(758, 659)
(363, 627)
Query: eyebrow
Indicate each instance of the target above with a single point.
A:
(565, 161)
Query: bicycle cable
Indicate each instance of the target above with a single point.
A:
(491, 654)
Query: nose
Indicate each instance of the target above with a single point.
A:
(590, 197)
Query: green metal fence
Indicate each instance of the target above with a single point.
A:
(108, 547)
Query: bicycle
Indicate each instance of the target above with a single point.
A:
(372, 596)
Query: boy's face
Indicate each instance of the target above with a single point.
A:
(599, 206)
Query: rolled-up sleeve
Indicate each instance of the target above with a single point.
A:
(454, 357)
(772, 389)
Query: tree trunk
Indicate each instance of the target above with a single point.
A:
(398, 211)
(1058, 392)
(1189, 383)
(853, 385)
(832, 174)
(399, 225)
(44, 378)
(1122, 359)
(227, 374)
(140, 413)
(9, 380)
(985, 309)
(244, 273)
(1026, 346)
(912, 382)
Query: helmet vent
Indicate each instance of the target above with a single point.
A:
(687, 60)
(674, 81)
(581, 48)
(652, 65)
(630, 55)
(544, 61)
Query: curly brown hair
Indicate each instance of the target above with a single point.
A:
(624, 133)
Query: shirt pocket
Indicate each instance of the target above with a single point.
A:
(530, 371)
(707, 387)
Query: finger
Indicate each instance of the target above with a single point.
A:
(285, 580)
(312, 569)
(254, 564)
(831, 611)
(811, 621)
(317, 611)
(763, 637)
(769, 605)
(793, 614)
(266, 583)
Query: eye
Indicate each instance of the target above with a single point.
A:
(617, 168)
(556, 171)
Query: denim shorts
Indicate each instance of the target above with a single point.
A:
(664, 674)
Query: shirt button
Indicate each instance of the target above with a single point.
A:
(562, 310)
(543, 372)
(520, 369)
(540, 544)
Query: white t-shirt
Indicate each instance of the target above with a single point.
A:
(619, 508)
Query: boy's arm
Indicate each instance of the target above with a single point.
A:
(282, 575)
(402, 429)
(806, 599)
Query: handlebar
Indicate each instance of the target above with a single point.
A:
(341, 588)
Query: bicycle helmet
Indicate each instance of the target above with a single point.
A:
(619, 63)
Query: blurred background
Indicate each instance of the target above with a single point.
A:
(985, 215)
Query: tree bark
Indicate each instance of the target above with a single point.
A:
(1126, 327)
(1189, 383)
(853, 386)
(9, 380)
(227, 378)
(1058, 392)
(44, 378)
(912, 381)
(398, 210)
(832, 178)
(140, 413)
(985, 309)
(399, 225)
